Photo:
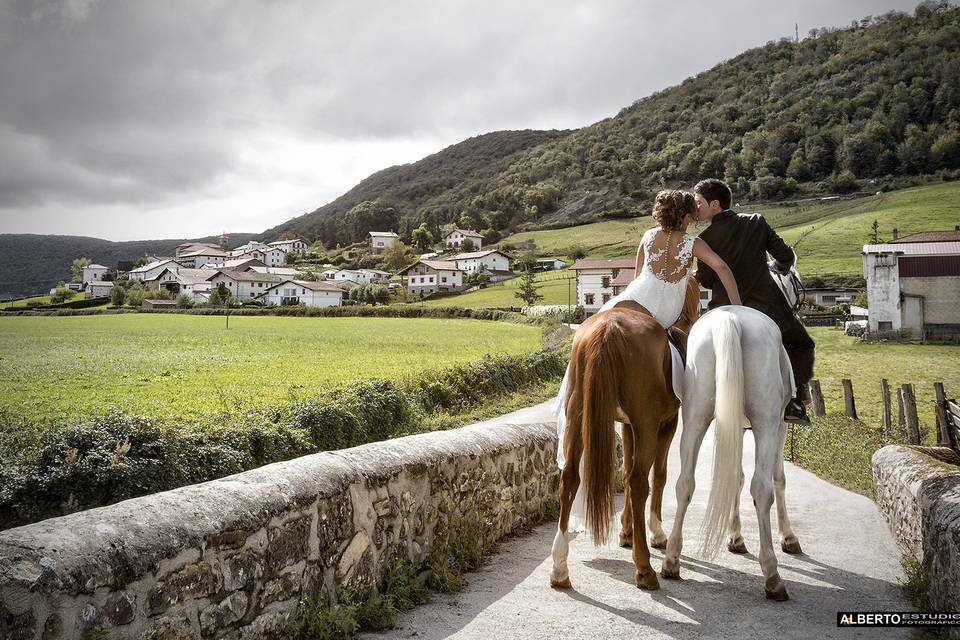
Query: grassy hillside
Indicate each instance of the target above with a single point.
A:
(828, 238)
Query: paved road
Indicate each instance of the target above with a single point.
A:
(850, 562)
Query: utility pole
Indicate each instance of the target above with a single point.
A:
(796, 32)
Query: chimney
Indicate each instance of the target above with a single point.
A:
(894, 233)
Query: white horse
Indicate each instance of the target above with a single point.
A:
(731, 350)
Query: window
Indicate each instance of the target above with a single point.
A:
(444, 279)
(605, 282)
(616, 272)
(303, 291)
(588, 298)
(606, 298)
(829, 299)
(422, 279)
(885, 326)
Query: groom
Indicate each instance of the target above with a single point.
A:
(744, 241)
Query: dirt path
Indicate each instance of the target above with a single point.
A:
(850, 562)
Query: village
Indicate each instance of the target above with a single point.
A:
(911, 290)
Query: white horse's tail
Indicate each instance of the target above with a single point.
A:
(728, 432)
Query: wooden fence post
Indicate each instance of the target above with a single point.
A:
(849, 404)
(901, 416)
(816, 398)
(887, 411)
(910, 411)
(944, 439)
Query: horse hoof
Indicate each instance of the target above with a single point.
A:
(658, 543)
(737, 547)
(778, 592)
(561, 584)
(670, 570)
(626, 541)
(791, 546)
(648, 581)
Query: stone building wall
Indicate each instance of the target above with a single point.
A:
(233, 557)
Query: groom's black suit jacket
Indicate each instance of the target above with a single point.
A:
(744, 241)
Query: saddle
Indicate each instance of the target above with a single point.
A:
(676, 336)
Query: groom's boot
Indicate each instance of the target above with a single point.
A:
(796, 410)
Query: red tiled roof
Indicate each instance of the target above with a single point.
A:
(624, 278)
(930, 236)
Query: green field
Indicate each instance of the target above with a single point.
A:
(556, 287)
(183, 366)
(37, 300)
(839, 356)
(828, 238)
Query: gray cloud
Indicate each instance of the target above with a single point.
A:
(164, 106)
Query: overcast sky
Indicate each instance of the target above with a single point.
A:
(142, 119)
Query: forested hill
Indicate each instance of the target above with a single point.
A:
(32, 263)
(873, 102)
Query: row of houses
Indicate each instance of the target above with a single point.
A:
(380, 240)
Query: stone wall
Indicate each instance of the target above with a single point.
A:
(231, 558)
(918, 490)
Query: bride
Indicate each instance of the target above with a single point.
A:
(664, 257)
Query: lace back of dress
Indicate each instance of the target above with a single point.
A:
(668, 254)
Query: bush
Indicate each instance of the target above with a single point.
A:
(61, 294)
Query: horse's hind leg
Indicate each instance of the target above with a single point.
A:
(644, 450)
(736, 544)
(761, 487)
(788, 540)
(569, 483)
(696, 419)
(626, 518)
(658, 538)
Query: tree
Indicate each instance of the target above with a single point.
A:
(219, 296)
(467, 245)
(528, 290)
(875, 233)
(136, 294)
(62, 294)
(76, 268)
(576, 252)
(396, 256)
(184, 301)
(421, 237)
(141, 262)
(118, 295)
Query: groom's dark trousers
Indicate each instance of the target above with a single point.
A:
(744, 241)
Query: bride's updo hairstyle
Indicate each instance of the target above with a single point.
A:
(671, 206)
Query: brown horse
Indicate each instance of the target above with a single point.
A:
(620, 369)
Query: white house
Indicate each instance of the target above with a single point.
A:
(152, 270)
(549, 264)
(244, 285)
(99, 289)
(94, 273)
(311, 294)
(237, 264)
(213, 256)
(251, 254)
(283, 272)
(456, 237)
(355, 276)
(475, 261)
(431, 276)
(595, 280)
(375, 275)
(253, 245)
(290, 246)
(380, 240)
(913, 287)
(830, 297)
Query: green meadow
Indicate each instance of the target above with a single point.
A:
(183, 366)
(556, 287)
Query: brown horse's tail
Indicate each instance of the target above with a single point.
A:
(602, 359)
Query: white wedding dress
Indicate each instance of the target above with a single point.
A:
(661, 287)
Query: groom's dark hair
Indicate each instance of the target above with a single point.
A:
(715, 189)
